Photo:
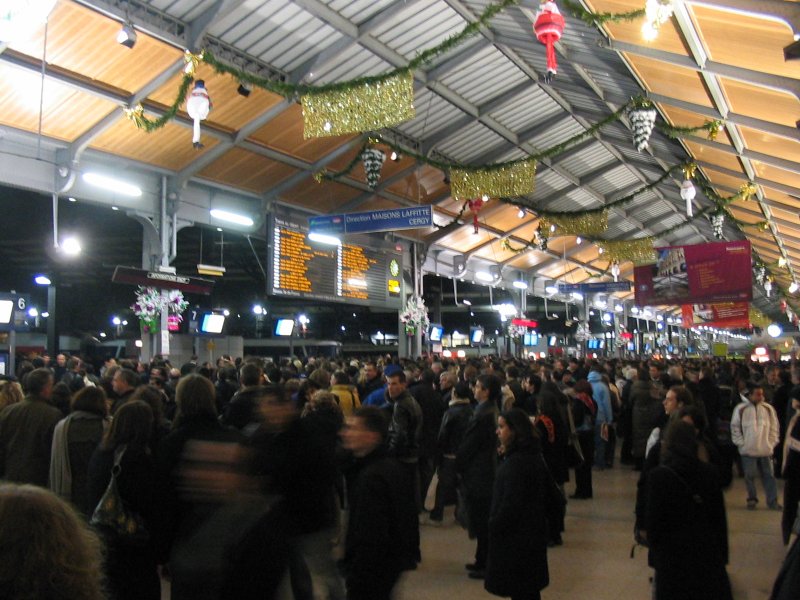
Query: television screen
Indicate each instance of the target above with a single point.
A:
(212, 323)
(631, 347)
(476, 335)
(6, 308)
(600, 344)
(284, 327)
(436, 332)
(552, 340)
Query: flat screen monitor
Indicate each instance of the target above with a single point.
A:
(212, 323)
(631, 347)
(476, 335)
(552, 340)
(284, 327)
(436, 332)
(600, 344)
(6, 308)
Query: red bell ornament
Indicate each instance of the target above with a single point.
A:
(548, 27)
(475, 206)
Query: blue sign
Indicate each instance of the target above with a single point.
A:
(595, 287)
(373, 220)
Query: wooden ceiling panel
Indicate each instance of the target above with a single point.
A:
(504, 217)
(631, 31)
(453, 206)
(464, 239)
(776, 174)
(169, 147)
(495, 252)
(773, 145)
(320, 198)
(747, 41)
(556, 271)
(687, 118)
(775, 106)
(432, 181)
(66, 112)
(245, 169)
(285, 133)
(716, 157)
(717, 178)
(663, 78)
(230, 110)
(587, 254)
(84, 41)
(528, 260)
(790, 202)
(746, 216)
(786, 215)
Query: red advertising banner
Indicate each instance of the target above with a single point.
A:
(705, 273)
(726, 315)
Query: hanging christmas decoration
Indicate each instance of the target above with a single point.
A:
(582, 332)
(760, 274)
(475, 205)
(746, 190)
(373, 163)
(717, 221)
(642, 117)
(540, 239)
(783, 305)
(147, 307)
(360, 108)
(191, 62)
(657, 12)
(639, 251)
(768, 287)
(549, 26)
(176, 304)
(198, 106)
(415, 315)
(511, 179)
(688, 191)
(615, 270)
(585, 224)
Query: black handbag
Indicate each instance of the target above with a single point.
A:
(113, 518)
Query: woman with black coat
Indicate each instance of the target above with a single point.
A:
(553, 433)
(686, 522)
(517, 563)
(131, 568)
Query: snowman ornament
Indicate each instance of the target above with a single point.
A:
(198, 105)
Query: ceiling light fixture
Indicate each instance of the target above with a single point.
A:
(127, 35)
(484, 276)
(521, 213)
(793, 287)
(244, 88)
(321, 238)
(230, 217)
(112, 185)
(395, 156)
(520, 285)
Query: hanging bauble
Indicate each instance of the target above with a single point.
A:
(373, 163)
(768, 287)
(548, 26)
(688, 192)
(783, 305)
(540, 239)
(198, 105)
(717, 221)
(475, 206)
(643, 120)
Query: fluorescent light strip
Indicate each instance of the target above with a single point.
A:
(321, 238)
(113, 185)
(237, 219)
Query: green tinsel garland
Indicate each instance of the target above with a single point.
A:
(136, 113)
(591, 18)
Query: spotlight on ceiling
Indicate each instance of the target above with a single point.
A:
(127, 35)
(792, 51)
(244, 88)
(793, 287)
(395, 156)
(459, 264)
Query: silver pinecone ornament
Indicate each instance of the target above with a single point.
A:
(642, 120)
(373, 163)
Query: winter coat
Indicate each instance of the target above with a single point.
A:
(755, 429)
(687, 531)
(347, 396)
(554, 434)
(454, 424)
(405, 428)
(517, 563)
(602, 396)
(432, 408)
(26, 437)
(646, 409)
(476, 458)
(241, 410)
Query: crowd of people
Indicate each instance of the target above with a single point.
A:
(238, 476)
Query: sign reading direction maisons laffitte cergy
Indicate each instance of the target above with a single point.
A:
(372, 221)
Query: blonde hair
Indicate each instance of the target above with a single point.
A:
(47, 549)
(10, 393)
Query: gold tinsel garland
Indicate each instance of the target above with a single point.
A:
(509, 180)
(758, 319)
(583, 224)
(639, 251)
(367, 107)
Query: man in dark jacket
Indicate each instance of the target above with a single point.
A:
(475, 463)
(123, 384)
(382, 511)
(429, 400)
(241, 410)
(26, 432)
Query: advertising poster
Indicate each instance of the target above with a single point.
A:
(726, 315)
(704, 273)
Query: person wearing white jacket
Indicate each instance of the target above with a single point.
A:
(755, 431)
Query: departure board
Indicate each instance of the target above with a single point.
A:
(345, 272)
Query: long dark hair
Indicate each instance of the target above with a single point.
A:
(518, 421)
(132, 426)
